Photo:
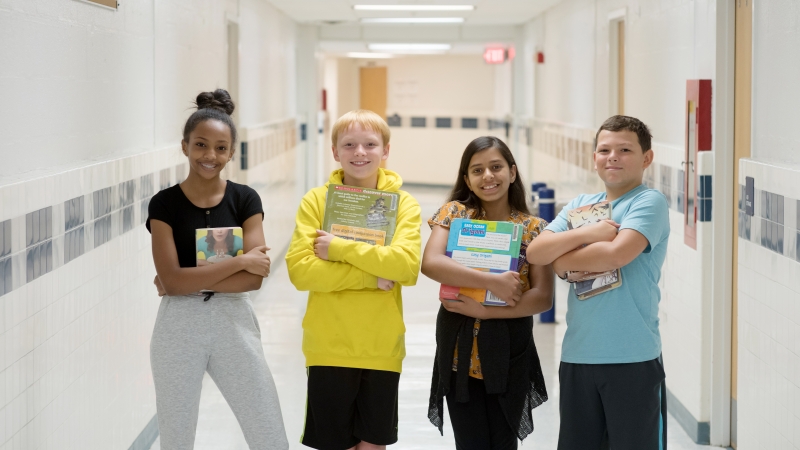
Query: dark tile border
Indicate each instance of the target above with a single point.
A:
(148, 435)
(699, 432)
(771, 218)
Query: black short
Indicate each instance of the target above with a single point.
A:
(346, 406)
(618, 406)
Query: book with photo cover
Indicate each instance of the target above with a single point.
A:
(589, 284)
(483, 245)
(213, 245)
(359, 214)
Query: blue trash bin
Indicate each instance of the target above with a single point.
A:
(535, 197)
(547, 211)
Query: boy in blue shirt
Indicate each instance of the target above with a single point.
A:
(611, 375)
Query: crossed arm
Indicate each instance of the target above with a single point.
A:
(437, 266)
(241, 274)
(591, 248)
(341, 265)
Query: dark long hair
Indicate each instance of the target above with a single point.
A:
(461, 192)
(210, 241)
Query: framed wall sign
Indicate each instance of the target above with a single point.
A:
(698, 139)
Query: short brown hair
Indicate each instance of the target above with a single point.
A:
(367, 119)
(627, 123)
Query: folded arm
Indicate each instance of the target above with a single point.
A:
(548, 246)
(398, 262)
(537, 299)
(310, 273)
(603, 256)
(437, 266)
(219, 277)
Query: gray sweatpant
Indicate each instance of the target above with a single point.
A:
(221, 336)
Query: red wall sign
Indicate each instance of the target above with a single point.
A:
(495, 55)
(698, 139)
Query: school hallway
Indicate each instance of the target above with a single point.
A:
(280, 310)
(96, 95)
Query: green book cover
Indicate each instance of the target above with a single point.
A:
(359, 214)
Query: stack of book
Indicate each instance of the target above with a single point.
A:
(589, 284)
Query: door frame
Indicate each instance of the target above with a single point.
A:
(722, 234)
(616, 61)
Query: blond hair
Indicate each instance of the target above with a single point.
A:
(367, 119)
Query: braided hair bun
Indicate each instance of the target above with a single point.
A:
(219, 99)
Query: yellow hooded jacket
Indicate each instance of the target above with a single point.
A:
(349, 322)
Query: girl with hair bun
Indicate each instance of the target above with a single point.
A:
(206, 321)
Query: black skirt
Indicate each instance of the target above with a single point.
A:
(509, 364)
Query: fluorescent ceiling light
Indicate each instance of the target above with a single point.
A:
(412, 20)
(369, 55)
(414, 7)
(409, 48)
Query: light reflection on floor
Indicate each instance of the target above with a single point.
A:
(280, 311)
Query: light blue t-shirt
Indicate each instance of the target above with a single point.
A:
(621, 325)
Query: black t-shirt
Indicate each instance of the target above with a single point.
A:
(171, 206)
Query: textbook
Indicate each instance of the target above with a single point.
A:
(359, 214)
(589, 284)
(482, 245)
(213, 245)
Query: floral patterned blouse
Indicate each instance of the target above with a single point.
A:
(533, 226)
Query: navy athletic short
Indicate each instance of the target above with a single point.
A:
(618, 406)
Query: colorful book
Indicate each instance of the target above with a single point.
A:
(359, 214)
(482, 245)
(589, 284)
(213, 245)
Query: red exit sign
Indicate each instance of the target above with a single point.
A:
(495, 55)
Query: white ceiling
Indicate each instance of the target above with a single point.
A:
(486, 12)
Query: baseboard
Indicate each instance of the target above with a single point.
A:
(734, 419)
(146, 438)
(699, 432)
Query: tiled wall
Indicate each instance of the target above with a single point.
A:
(769, 311)
(77, 303)
(561, 155)
(446, 121)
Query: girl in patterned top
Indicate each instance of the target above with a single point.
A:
(486, 363)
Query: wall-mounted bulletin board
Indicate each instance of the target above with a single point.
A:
(108, 3)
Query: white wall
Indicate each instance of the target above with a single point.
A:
(77, 81)
(439, 83)
(268, 63)
(666, 44)
(769, 267)
(565, 82)
(776, 67)
(769, 311)
(96, 102)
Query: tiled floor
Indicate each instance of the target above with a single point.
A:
(280, 311)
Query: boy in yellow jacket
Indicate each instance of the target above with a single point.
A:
(353, 331)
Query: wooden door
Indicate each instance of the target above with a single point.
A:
(372, 89)
(741, 149)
